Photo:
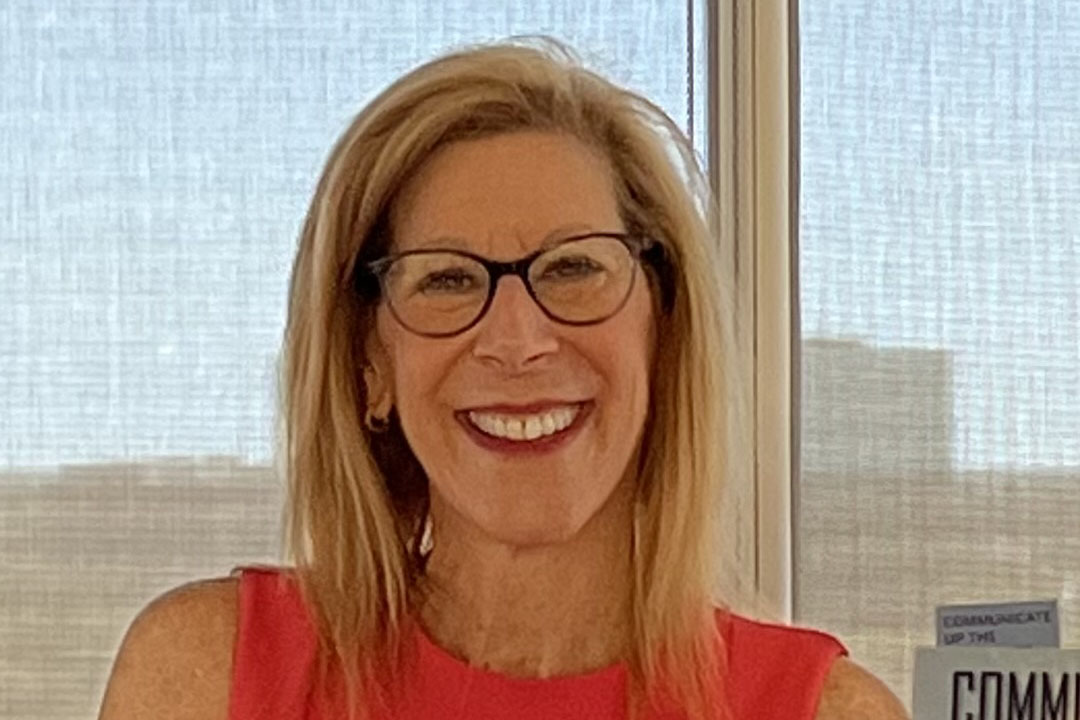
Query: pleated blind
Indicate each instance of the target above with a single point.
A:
(156, 161)
(940, 300)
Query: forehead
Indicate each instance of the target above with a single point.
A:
(506, 195)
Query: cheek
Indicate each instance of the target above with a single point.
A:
(416, 386)
(416, 368)
(628, 355)
(425, 422)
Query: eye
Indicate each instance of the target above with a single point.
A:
(450, 280)
(571, 266)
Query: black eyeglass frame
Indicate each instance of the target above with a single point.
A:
(370, 276)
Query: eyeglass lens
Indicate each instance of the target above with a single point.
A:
(443, 292)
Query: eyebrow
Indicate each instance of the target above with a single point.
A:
(455, 242)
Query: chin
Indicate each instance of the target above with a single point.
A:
(526, 532)
(539, 511)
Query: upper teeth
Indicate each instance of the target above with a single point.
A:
(524, 427)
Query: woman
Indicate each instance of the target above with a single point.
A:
(507, 374)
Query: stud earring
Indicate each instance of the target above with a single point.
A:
(375, 423)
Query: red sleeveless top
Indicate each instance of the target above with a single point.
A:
(774, 672)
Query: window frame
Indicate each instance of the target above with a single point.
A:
(753, 164)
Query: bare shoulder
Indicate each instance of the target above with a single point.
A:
(852, 693)
(175, 661)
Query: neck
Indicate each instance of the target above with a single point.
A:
(540, 611)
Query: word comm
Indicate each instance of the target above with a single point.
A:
(1008, 695)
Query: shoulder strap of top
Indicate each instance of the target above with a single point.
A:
(275, 646)
(777, 672)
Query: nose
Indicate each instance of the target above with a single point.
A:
(514, 333)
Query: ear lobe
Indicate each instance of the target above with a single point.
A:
(379, 397)
(377, 377)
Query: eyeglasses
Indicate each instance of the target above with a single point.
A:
(583, 280)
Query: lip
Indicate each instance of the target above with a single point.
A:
(545, 444)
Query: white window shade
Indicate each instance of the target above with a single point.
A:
(939, 267)
(156, 161)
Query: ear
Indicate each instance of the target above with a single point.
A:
(378, 376)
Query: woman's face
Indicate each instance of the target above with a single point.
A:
(503, 197)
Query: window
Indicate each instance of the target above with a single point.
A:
(157, 160)
(939, 269)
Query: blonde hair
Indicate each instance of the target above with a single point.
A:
(358, 501)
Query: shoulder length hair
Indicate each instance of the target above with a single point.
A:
(357, 501)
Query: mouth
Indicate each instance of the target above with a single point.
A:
(536, 428)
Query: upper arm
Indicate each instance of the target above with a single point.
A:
(852, 693)
(175, 662)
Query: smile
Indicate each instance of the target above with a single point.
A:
(540, 428)
(524, 427)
